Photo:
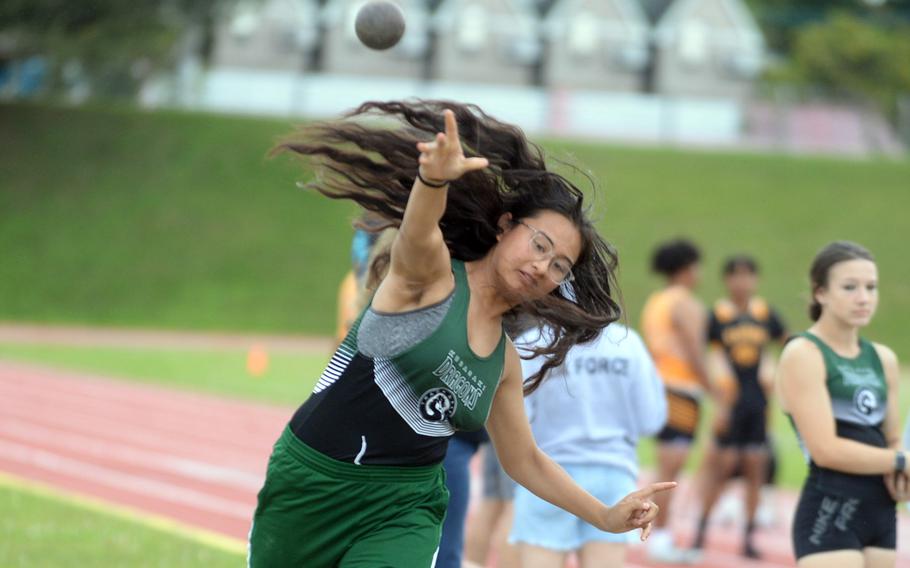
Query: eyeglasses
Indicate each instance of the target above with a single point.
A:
(560, 268)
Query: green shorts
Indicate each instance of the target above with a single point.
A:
(315, 511)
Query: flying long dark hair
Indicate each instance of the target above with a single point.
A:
(374, 163)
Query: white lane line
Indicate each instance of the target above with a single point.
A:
(156, 490)
(94, 448)
(124, 394)
(117, 389)
(132, 433)
(233, 430)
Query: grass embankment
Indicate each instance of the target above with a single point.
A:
(179, 220)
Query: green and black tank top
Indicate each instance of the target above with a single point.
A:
(859, 402)
(402, 410)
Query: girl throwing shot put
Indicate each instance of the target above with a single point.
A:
(356, 477)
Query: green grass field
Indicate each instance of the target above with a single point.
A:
(173, 220)
(43, 530)
(178, 220)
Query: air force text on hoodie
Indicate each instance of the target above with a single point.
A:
(595, 407)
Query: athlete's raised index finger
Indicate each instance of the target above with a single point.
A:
(656, 488)
(451, 125)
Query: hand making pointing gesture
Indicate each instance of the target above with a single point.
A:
(443, 160)
(636, 510)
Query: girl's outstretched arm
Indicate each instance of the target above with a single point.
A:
(530, 467)
(420, 271)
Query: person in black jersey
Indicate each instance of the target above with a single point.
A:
(485, 238)
(740, 328)
(840, 392)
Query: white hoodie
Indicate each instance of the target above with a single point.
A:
(595, 407)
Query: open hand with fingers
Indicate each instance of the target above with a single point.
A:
(636, 510)
(442, 160)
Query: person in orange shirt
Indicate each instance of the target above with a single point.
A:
(674, 326)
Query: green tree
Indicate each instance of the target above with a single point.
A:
(115, 43)
(854, 59)
(782, 20)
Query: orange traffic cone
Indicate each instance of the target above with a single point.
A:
(257, 361)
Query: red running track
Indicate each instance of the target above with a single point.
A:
(200, 460)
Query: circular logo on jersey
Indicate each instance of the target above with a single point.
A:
(437, 405)
(865, 401)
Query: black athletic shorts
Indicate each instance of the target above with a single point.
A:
(670, 435)
(748, 428)
(826, 522)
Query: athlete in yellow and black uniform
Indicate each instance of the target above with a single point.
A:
(740, 328)
(744, 334)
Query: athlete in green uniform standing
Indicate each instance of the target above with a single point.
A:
(356, 478)
(840, 392)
